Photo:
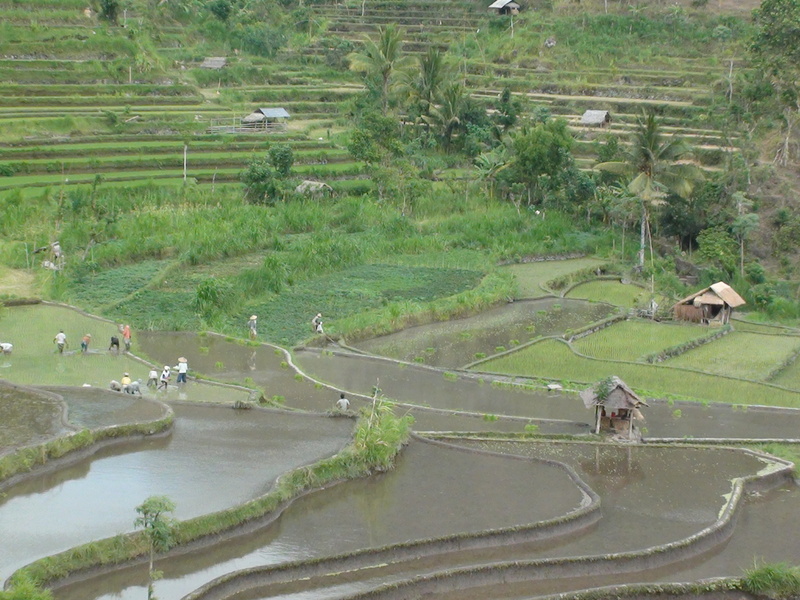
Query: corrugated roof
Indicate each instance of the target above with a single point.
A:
(503, 3)
(273, 113)
(594, 117)
(721, 290)
(214, 62)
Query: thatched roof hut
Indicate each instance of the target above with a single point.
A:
(505, 7)
(710, 306)
(615, 404)
(596, 118)
(214, 62)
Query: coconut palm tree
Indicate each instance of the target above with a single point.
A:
(651, 166)
(423, 84)
(382, 60)
(445, 116)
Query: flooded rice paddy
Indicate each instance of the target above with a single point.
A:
(453, 344)
(217, 457)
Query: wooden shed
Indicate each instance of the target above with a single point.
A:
(214, 62)
(710, 306)
(615, 405)
(505, 7)
(596, 118)
(266, 118)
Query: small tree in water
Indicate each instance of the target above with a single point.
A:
(158, 529)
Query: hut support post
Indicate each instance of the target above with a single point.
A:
(597, 419)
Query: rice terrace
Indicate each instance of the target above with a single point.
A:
(393, 299)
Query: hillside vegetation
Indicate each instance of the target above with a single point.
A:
(450, 137)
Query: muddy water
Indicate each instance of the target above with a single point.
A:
(456, 343)
(96, 498)
(260, 366)
(426, 496)
(428, 387)
(28, 418)
(93, 408)
(426, 420)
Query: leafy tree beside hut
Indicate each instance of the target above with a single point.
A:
(616, 406)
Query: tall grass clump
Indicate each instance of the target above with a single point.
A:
(777, 581)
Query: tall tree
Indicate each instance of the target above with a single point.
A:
(650, 164)
(382, 61)
(776, 48)
(446, 115)
(424, 84)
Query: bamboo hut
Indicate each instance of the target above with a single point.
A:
(710, 306)
(615, 406)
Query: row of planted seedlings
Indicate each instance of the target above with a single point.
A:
(89, 148)
(198, 159)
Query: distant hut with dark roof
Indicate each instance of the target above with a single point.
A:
(710, 306)
(505, 7)
(596, 118)
(266, 118)
(616, 406)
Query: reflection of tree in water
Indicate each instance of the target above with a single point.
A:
(614, 468)
(251, 362)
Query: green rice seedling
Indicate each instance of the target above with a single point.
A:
(677, 413)
(499, 348)
(278, 400)
(513, 343)
(284, 364)
(203, 349)
(531, 428)
(419, 359)
(298, 377)
(219, 365)
(450, 376)
(490, 418)
(318, 386)
(480, 355)
(278, 352)
(430, 350)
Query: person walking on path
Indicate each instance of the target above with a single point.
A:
(343, 404)
(183, 368)
(252, 324)
(85, 343)
(164, 381)
(316, 323)
(60, 341)
(126, 337)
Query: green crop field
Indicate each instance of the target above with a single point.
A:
(553, 359)
(531, 277)
(740, 354)
(634, 340)
(612, 292)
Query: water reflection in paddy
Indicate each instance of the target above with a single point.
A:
(452, 344)
(249, 450)
(429, 494)
(260, 366)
